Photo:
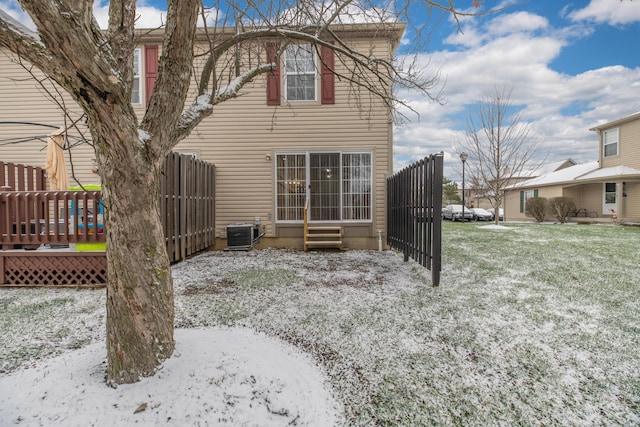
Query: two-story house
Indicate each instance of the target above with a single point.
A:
(606, 189)
(299, 133)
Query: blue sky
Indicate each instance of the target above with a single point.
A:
(570, 65)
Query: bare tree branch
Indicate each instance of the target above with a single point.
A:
(203, 106)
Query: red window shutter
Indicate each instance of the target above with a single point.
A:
(150, 69)
(327, 77)
(273, 77)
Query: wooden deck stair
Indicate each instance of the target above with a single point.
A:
(320, 237)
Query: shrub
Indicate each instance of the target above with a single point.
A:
(537, 208)
(562, 208)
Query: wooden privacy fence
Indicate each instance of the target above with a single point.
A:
(414, 213)
(187, 205)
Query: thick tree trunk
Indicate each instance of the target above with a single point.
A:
(140, 309)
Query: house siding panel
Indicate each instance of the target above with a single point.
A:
(575, 194)
(628, 146)
(241, 138)
(631, 203)
(23, 101)
(513, 200)
(592, 197)
(245, 175)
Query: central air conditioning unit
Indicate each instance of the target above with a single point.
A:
(240, 237)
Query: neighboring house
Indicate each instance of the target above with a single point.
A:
(482, 197)
(294, 134)
(603, 189)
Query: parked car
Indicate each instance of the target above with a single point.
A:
(454, 213)
(493, 214)
(480, 214)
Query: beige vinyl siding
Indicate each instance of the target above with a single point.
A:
(575, 193)
(631, 203)
(512, 201)
(586, 196)
(23, 100)
(592, 197)
(512, 206)
(240, 145)
(628, 155)
(240, 138)
(628, 146)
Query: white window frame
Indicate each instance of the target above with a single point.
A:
(136, 96)
(528, 194)
(609, 198)
(295, 65)
(362, 183)
(610, 138)
(355, 185)
(296, 185)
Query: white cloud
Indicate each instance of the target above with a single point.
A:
(146, 16)
(517, 22)
(560, 107)
(504, 24)
(612, 12)
(150, 17)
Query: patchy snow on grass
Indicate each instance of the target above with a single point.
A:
(530, 327)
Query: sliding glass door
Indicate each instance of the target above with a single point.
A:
(338, 186)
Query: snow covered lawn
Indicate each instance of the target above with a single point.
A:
(532, 324)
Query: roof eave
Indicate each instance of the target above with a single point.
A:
(390, 30)
(617, 122)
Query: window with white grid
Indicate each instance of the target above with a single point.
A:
(291, 185)
(338, 186)
(356, 186)
(300, 73)
(610, 142)
(136, 97)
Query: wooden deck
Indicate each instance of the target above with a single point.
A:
(35, 223)
(53, 267)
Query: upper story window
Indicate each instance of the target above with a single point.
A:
(610, 142)
(136, 97)
(300, 73)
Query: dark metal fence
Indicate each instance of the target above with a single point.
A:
(414, 213)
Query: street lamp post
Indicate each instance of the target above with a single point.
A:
(463, 158)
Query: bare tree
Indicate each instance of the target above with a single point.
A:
(95, 67)
(501, 146)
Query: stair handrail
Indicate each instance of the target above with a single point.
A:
(306, 220)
